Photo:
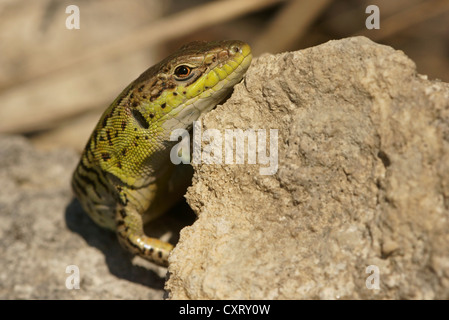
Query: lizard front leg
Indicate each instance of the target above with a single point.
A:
(131, 236)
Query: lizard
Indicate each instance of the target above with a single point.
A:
(124, 177)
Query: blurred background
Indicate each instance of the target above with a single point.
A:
(56, 82)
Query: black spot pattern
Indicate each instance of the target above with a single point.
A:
(140, 119)
(105, 156)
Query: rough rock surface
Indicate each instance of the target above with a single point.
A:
(363, 180)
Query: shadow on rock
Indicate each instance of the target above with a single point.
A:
(119, 261)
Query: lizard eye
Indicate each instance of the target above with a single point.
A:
(183, 72)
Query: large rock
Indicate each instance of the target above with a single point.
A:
(363, 180)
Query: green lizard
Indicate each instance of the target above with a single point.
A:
(125, 176)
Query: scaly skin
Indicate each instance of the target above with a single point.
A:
(125, 176)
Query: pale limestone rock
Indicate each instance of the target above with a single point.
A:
(363, 180)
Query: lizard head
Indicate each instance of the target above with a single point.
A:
(191, 81)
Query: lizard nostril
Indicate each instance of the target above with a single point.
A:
(235, 48)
